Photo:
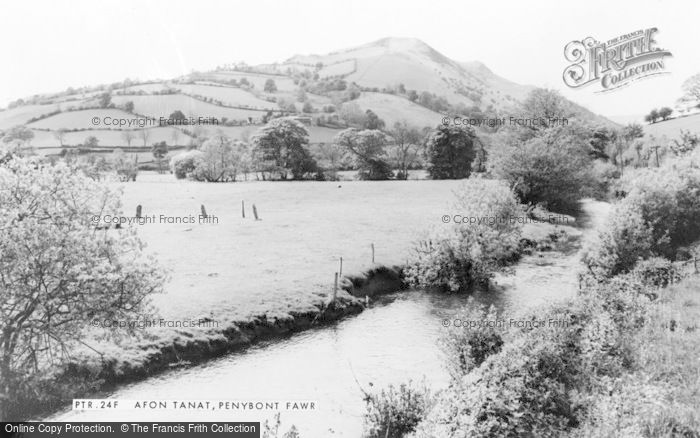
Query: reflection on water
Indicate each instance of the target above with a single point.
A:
(392, 342)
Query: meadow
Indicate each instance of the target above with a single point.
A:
(672, 128)
(228, 95)
(285, 261)
(240, 267)
(163, 105)
(385, 106)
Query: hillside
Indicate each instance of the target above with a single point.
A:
(409, 61)
(400, 79)
(672, 128)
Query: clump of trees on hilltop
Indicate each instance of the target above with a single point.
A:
(662, 113)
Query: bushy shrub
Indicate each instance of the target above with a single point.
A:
(659, 215)
(469, 342)
(217, 162)
(522, 391)
(450, 151)
(125, 167)
(183, 164)
(395, 412)
(604, 177)
(625, 238)
(552, 169)
(657, 272)
(462, 255)
(450, 264)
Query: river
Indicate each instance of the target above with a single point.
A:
(393, 341)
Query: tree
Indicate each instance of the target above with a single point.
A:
(129, 106)
(687, 144)
(406, 148)
(547, 105)
(632, 131)
(91, 142)
(199, 135)
(280, 147)
(183, 164)
(159, 151)
(58, 274)
(104, 100)
(351, 113)
(301, 95)
(308, 108)
(216, 161)
(145, 134)
(652, 117)
(177, 116)
(601, 139)
(367, 149)
(450, 151)
(426, 99)
(128, 136)
(330, 157)
(18, 135)
(691, 89)
(60, 135)
(125, 167)
(665, 113)
(552, 169)
(372, 121)
(270, 86)
(175, 136)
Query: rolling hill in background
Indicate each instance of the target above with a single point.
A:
(400, 79)
(411, 62)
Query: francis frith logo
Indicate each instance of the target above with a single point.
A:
(614, 63)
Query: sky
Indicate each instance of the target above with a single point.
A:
(51, 45)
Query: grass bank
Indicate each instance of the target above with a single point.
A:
(220, 271)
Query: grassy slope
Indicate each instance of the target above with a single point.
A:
(394, 109)
(20, 115)
(672, 128)
(79, 119)
(163, 105)
(662, 394)
(228, 95)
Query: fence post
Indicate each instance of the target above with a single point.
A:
(204, 211)
(695, 264)
(138, 211)
(372, 252)
(255, 213)
(243, 209)
(335, 288)
(340, 273)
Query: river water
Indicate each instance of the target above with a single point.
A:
(393, 341)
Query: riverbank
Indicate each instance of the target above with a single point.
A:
(165, 349)
(392, 341)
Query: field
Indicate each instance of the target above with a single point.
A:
(394, 109)
(317, 134)
(228, 95)
(20, 115)
(672, 128)
(257, 79)
(163, 105)
(108, 138)
(242, 267)
(146, 88)
(79, 119)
